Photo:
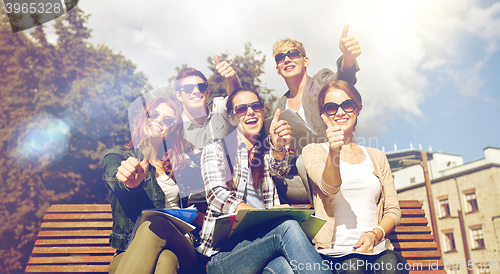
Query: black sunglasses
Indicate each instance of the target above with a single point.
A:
(292, 54)
(242, 109)
(202, 87)
(331, 108)
(167, 120)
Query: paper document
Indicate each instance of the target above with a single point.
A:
(379, 248)
(180, 218)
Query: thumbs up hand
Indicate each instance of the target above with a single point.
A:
(335, 134)
(280, 131)
(226, 71)
(131, 172)
(224, 68)
(349, 46)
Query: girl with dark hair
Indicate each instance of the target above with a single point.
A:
(280, 245)
(134, 185)
(353, 189)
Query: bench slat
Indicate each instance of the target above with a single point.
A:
(414, 221)
(409, 204)
(428, 254)
(414, 245)
(410, 237)
(77, 241)
(73, 233)
(70, 260)
(79, 208)
(440, 271)
(411, 212)
(67, 268)
(52, 225)
(425, 263)
(53, 250)
(78, 216)
(412, 229)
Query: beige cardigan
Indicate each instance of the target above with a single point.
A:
(314, 156)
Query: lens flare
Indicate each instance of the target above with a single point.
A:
(42, 141)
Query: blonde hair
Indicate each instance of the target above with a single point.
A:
(288, 44)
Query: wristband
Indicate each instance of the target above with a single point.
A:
(383, 231)
(273, 148)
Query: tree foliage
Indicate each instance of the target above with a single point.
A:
(63, 105)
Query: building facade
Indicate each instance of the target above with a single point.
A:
(466, 200)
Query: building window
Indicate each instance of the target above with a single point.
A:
(412, 180)
(477, 238)
(444, 208)
(449, 242)
(471, 201)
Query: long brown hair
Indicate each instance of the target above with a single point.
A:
(173, 159)
(261, 147)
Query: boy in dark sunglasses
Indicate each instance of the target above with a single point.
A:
(204, 120)
(302, 97)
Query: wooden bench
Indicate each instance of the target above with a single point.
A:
(414, 240)
(74, 239)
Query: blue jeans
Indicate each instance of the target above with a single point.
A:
(278, 247)
(387, 262)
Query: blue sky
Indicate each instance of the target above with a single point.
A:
(429, 68)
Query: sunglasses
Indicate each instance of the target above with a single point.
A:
(202, 87)
(331, 108)
(292, 54)
(242, 109)
(167, 120)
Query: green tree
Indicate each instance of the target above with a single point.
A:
(63, 105)
(249, 67)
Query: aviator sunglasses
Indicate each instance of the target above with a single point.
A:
(292, 54)
(202, 87)
(331, 108)
(167, 120)
(242, 109)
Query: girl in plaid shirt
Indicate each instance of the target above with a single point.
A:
(249, 185)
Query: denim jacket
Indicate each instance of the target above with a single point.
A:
(126, 203)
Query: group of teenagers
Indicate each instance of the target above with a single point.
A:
(245, 163)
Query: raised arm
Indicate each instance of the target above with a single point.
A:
(335, 135)
(226, 71)
(280, 137)
(323, 167)
(346, 64)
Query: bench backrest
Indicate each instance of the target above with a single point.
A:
(74, 239)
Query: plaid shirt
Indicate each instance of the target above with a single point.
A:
(221, 201)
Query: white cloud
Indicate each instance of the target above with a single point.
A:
(402, 42)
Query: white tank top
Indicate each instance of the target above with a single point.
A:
(355, 205)
(170, 189)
